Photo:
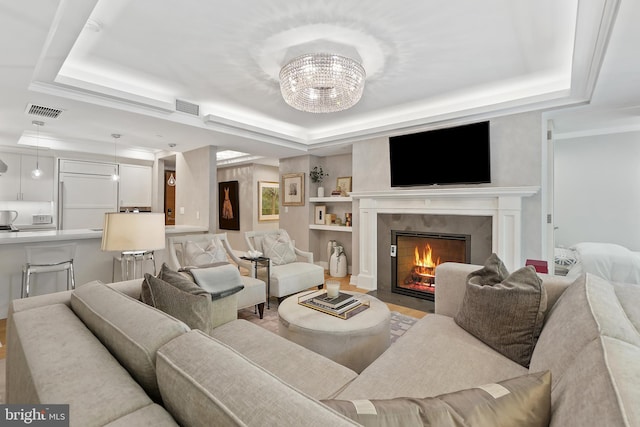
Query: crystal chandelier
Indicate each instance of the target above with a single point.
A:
(322, 82)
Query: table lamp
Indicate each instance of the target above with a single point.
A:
(135, 235)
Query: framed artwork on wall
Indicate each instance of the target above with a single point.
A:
(321, 212)
(229, 205)
(268, 201)
(293, 189)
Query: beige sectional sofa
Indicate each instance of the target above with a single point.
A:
(119, 362)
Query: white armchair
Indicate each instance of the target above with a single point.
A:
(292, 269)
(255, 290)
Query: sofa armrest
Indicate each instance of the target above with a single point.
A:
(201, 378)
(451, 284)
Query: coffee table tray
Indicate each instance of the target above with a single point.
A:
(306, 300)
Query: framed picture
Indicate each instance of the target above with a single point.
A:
(321, 212)
(268, 201)
(344, 183)
(229, 205)
(293, 189)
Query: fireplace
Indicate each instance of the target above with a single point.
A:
(415, 256)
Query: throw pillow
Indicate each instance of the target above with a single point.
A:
(202, 253)
(181, 298)
(523, 401)
(505, 311)
(169, 276)
(279, 248)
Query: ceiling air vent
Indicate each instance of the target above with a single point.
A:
(39, 110)
(187, 107)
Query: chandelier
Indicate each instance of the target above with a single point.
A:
(322, 82)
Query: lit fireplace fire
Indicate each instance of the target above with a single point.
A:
(418, 253)
(424, 268)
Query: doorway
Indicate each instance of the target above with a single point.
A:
(169, 197)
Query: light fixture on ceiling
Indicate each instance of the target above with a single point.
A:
(115, 176)
(171, 182)
(37, 172)
(322, 82)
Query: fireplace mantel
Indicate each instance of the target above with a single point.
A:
(502, 204)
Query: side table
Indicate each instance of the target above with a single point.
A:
(261, 261)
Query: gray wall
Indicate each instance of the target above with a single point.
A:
(296, 219)
(516, 160)
(247, 177)
(596, 188)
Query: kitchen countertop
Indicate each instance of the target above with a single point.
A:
(79, 234)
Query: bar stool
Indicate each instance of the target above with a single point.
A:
(48, 259)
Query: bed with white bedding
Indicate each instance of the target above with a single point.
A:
(607, 260)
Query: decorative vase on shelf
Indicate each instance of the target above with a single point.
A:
(338, 263)
(320, 191)
(331, 245)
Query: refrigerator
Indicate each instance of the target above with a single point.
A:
(86, 191)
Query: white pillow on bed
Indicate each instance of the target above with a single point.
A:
(607, 260)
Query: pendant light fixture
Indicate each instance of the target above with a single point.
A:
(115, 176)
(37, 172)
(171, 182)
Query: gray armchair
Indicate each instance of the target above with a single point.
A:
(292, 269)
(255, 290)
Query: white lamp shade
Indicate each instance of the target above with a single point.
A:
(133, 231)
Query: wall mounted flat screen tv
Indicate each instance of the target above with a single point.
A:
(456, 155)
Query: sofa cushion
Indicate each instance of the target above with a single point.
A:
(323, 377)
(181, 299)
(504, 311)
(212, 383)
(130, 329)
(523, 401)
(279, 248)
(202, 253)
(591, 344)
(435, 356)
(54, 358)
(151, 415)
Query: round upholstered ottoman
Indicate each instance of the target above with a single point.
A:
(353, 342)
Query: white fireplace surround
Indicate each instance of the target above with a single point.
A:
(502, 204)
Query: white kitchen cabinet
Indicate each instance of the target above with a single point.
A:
(10, 180)
(17, 183)
(135, 186)
(86, 192)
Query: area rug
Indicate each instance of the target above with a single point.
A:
(399, 322)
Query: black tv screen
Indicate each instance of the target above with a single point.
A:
(456, 155)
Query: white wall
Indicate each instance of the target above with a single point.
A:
(597, 190)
